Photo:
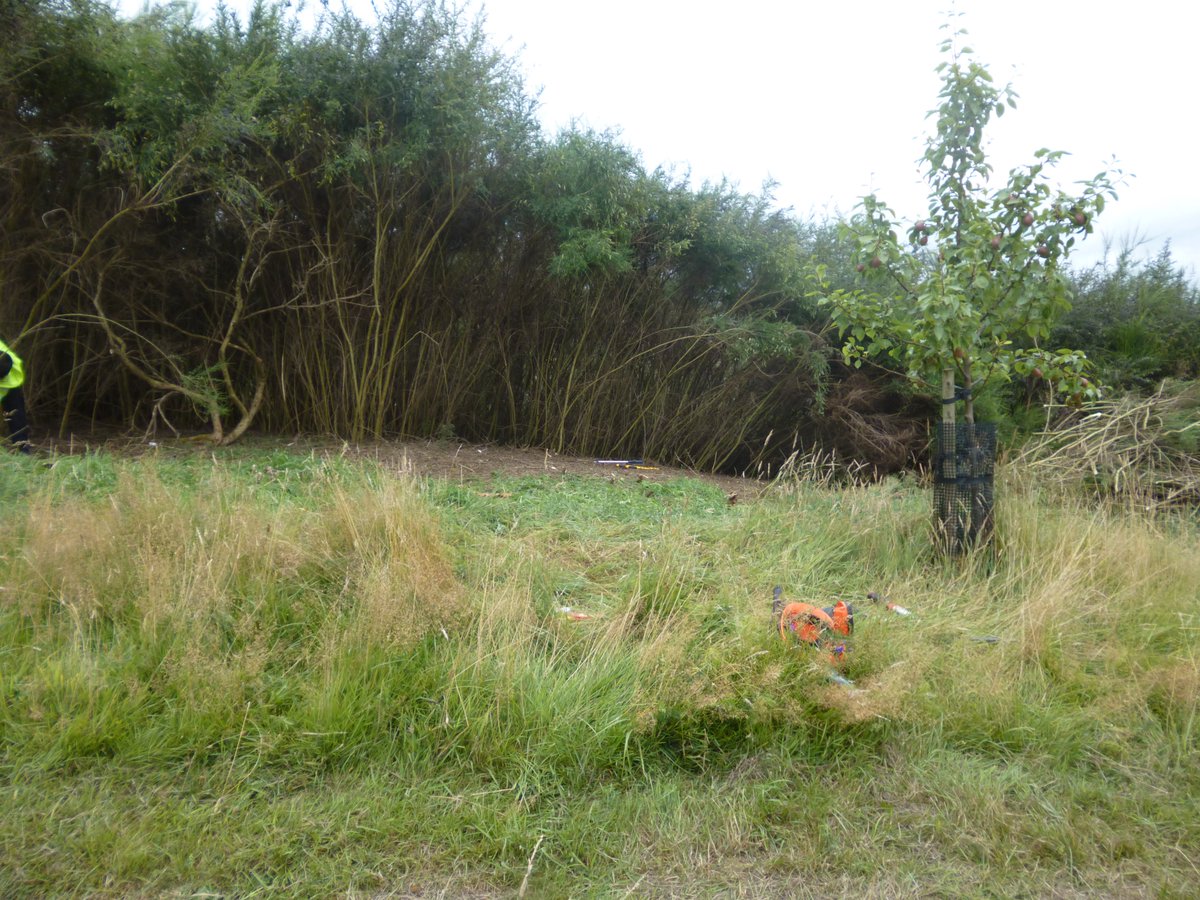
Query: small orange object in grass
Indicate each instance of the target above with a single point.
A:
(805, 621)
(809, 624)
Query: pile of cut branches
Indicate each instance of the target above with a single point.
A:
(1142, 450)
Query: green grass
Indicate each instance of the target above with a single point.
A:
(292, 675)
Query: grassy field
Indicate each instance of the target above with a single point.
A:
(267, 674)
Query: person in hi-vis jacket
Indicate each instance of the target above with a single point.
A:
(12, 376)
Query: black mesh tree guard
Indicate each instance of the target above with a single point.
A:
(964, 485)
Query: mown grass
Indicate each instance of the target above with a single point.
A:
(293, 675)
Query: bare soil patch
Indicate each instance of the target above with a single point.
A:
(474, 462)
(451, 460)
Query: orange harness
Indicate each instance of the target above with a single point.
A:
(810, 625)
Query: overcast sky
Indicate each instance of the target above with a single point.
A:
(829, 100)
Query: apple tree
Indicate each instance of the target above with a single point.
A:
(967, 294)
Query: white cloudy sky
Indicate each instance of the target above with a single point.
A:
(829, 100)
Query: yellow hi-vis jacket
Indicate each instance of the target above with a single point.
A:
(16, 375)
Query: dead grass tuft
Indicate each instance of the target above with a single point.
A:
(399, 577)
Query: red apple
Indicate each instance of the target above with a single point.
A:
(1043, 251)
(1027, 219)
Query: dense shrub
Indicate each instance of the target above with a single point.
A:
(363, 230)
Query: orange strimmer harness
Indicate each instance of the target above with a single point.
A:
(818, 626)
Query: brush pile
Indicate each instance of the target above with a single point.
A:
(1141, 450)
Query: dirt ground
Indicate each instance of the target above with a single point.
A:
(435, 459)
(468, 462)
